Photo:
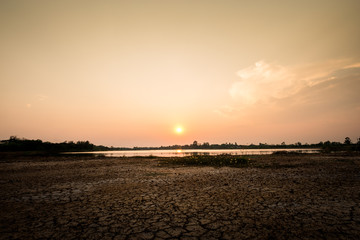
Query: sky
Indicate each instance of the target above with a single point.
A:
(132, 73)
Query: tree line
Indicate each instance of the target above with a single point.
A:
(17, 144)
(327, 145)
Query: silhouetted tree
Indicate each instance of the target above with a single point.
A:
(347, 141)
(205, 145)
(13, 139)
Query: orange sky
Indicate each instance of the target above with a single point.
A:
(127, 73)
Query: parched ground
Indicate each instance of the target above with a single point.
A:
(276, 197)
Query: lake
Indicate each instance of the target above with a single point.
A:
(187, 152)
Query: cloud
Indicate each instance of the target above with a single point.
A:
(261, 82)
(36, 100)
(310, 101)
(268, 82)
(354, 65)
(267, 91)
(337, 90)
(226, 110)
(41, 97)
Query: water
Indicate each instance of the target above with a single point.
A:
(187, 152)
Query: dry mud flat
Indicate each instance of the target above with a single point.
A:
(276, 197)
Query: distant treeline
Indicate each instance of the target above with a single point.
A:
(18, 144)
(326, 146)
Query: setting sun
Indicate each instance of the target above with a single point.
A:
(179, 130)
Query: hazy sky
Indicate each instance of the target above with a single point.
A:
(127, 73)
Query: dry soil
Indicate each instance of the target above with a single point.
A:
(276, 197)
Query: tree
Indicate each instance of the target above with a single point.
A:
(13, 139)
(206, 145)
(347, 141)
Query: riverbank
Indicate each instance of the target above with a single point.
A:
(303, 196)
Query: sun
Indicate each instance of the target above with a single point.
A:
(179, 130)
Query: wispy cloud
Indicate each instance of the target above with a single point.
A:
(261, 82)
(35, 100)
(267, 86)
(226, 111)
(41, 97)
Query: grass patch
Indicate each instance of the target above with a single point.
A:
(222, 160)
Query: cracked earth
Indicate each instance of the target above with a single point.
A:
(276, 197)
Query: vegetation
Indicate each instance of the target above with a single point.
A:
(347, 146)
(221, 160)
(17, 144)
